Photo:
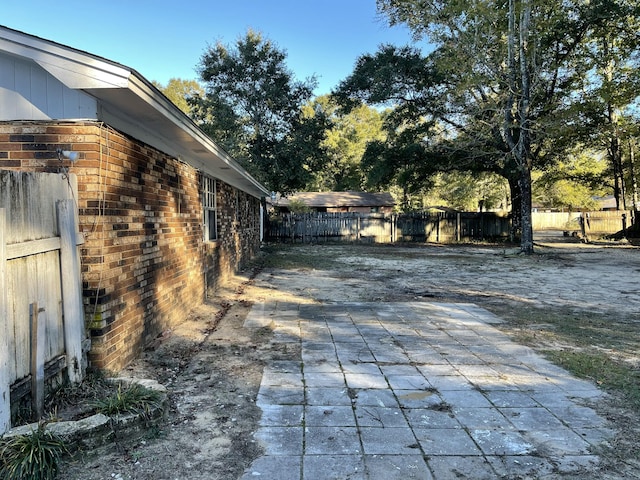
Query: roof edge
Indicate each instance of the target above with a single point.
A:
(148, 92)
(81, 70)
(74, 68)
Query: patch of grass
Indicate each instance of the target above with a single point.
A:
(592, 345)
(131, 398)
(34, 457)
(586, 329)
(296, 256)
(601, 369)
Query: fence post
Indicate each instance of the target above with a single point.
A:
(37, 360)
(5, 387)
(394, 226)
(71, 290)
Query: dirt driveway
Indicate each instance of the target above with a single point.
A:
(212, 366)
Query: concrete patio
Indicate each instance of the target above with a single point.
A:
(416, 391)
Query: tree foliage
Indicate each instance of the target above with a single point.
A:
(494, 95)
(572, 183)
(611, 90)
(179, 91)
(345, 145)
(469, 192)
(253, 107)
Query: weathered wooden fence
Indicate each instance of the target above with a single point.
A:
(599, 222)
(381, 228)
(41, 312)
(428, 227)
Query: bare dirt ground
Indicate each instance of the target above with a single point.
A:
(212, 367)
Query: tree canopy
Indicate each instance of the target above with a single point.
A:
(495, 95)
(253, 107)
(179, 91)
(345, 144)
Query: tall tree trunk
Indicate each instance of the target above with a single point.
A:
(526, 239)
(614, 150)
(517, 121)
(634, 182)
(516, 208)
(523, 150)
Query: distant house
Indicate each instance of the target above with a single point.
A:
(165, 213)
(606, 203)
(361, 202)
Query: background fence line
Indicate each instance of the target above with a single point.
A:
(600, 222)
(385, 228)
(441, 227)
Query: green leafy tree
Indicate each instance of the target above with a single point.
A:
(179, 91)
(497, 84)
(610, 97)
(345, 145)
(469, 192)
(253, 107)
(573, 183)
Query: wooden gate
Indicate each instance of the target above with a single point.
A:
(41, 311)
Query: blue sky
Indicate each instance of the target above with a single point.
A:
(163, 39)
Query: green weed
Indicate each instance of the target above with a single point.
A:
(132, 398)
(34, 457)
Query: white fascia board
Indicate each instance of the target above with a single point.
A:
(75, 69)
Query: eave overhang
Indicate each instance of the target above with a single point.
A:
(130, 103)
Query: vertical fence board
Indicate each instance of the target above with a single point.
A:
(21, 292)
(37, 359)
(5, 382)
(71, 289)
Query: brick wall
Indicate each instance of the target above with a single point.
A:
(144, 261)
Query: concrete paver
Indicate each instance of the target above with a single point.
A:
(415, 391)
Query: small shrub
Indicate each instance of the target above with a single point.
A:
(34, 457)
(133, 398)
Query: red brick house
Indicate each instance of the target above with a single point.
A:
(164, 212)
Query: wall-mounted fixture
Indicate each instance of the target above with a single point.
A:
(68, 154)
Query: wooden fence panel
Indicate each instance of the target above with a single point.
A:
(380, 228)
(441, 227)
(33, 264)
(607, 222)
(5, 377)
(35, 278)
(600, 222)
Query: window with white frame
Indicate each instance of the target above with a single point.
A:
(209, 205)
